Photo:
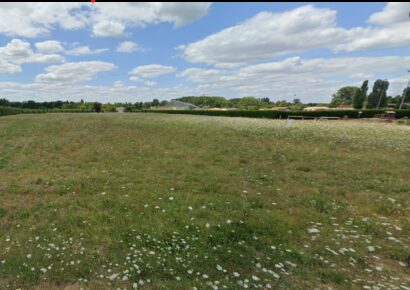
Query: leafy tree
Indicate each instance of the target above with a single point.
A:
(97, 107)
(296, 101)
(108, 108)
(206, 101)
(4, 102)
(378, 98)
(155, 102)
(361, 95)
(265, 100)
(249, 103)
(344, 96)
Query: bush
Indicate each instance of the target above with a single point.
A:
(13, 111)
(9, 111)
(284, 114)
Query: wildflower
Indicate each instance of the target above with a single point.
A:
(313, 231)
(255, 278)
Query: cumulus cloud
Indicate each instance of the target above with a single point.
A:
(49, 46)
(73, 72)
(143, 13)
(85, 50)
(388, 29)
(106, 19)
(18, 51)
(34, 19)
(267, 35)
(7, 67)
(311, 79)
(102, 93)
(150, 71)
(109, 29)
(393, 12)
(128, 47)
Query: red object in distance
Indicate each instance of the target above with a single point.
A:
(92, 1)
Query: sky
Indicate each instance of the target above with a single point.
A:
(133, 52)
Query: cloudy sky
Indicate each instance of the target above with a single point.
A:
(139, 51)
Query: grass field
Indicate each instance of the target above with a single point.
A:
(152, 201)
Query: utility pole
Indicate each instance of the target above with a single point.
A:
(404, 94)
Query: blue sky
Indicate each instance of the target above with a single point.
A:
(133, 52)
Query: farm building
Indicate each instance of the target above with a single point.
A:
(176, 105)
(217, 109)
(344, 107)
(280, 108)
(316, 108)
(120, 109)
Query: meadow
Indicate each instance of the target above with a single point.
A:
(158, 201)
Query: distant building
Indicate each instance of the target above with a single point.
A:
(344, 107)
(217, 109)
(120, 109)
(280, 108)
(316, 109)
(176, 105)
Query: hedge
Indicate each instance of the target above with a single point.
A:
(13, 111)
(10, 111)
(283, 114)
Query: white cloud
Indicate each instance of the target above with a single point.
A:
(18, 51)
(109, 29)
(128, 47)
(143, 13)
(7, 67)
(73, 72)
(396, 35)
(393, 12)
(310, 79)
(36, 19)
(107, 19)
(150, 71)
(388, 29)
(49, 46)
(52, 91)
(267, 35)
(85, 50)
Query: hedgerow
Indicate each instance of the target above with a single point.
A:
(284, 114)
(13, 111)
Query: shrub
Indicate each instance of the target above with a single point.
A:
(9, 111)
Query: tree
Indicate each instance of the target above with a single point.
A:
(206, 101)
(378, 97)
(265, 100)
(361, 95)
(97, 107)
(297, 101)
(249, 103)
(4, 102)
(344, 96)
(155, 102)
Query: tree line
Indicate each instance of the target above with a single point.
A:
(359, 98)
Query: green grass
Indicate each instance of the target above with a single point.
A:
(107, 201)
